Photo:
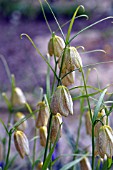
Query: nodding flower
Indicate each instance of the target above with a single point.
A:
(55, 46)
(69, 79)
(55, 129)
(62, 102)
(18, 117)
(43, 135)
(101, 116)
(18, 98)
(85, 164)
(21, 143)
(71, 60)
(43, 114)
(104, 142)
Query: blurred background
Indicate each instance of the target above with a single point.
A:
(25, 16)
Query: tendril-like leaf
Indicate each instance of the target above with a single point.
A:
(93, 51)
(80, 16)
(55, 19)
(110, 17)
(72, 22)
(32, 42)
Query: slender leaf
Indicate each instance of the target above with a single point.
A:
(71, 23)
(84, 96)
(90, 27)
(98, 105)
(48, 91)
(66, 155)
(90, 87)
(48, 158)
(38, 51)
(4, 126)
(71, 164)
(11, 162)
(110, 110)
(55, 19)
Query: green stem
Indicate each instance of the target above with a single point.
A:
(59, 80)
(79, 128)
(85, 88)
(56, 20)
(47, 143)
(93, 148)
(50, 165)
(8, 152)
(8, 122)
(6, 67)
(34, 149)
(45, 16)
(54, 79)
(78, 136)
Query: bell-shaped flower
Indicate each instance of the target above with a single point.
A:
(69, 79)
(55, 46)
(18, 98)
(62, 102)
(71, 60)
(21, 143)
(85, 164)
(88, 124)
(43, 135)
(43, 114)
(56, 127)
(101, 116)
(104, 142)
(18, 117)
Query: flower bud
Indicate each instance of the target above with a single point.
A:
(71, 60)
(21, 143)
(56, 123)
(62, 102)
(88, 123)
(40, 164)
(43, 115)
(104, 142)
(18, 98)
(101, 116)
(85, 164)
(68, 79)
(43, 135)
(18, 117)
(55, 46)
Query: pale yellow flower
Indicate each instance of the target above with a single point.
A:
(56, 123)
(21, 143)
(71, 60)
(18, 98)
(43, 115)
(43, 135)
(104, 142)
(62, 102)
(18, 117)
(55, 46)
